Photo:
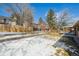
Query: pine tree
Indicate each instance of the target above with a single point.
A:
(40, 22)
(51, 20)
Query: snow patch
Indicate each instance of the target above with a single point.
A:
(33, 46)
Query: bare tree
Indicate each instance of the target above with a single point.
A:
(21, 11)
(63, 19)
(23, 14)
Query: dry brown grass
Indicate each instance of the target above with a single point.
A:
(61, 52)
(54, 35)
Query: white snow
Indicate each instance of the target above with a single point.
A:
(32, 46)
(3, 33)
(11, 36)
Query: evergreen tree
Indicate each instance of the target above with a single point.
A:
(40, 22)
(51, 20)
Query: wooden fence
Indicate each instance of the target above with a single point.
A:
(13, 28)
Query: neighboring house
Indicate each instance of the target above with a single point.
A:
(72, 27)
(4, 21)
(35, 27)
(42, 27)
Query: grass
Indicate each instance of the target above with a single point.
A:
(61, 52)
(54, 35)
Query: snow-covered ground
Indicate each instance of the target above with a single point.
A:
(32, 46)
(4, 33)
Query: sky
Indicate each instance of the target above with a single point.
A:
(41, 9)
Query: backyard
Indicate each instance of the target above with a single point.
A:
(39, 44)
(39, 29)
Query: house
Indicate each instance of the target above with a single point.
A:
(42, 27)
(35, 27)
(4, 21)
(72, 27)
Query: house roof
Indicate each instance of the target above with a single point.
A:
(72, 23)
(2, 19)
